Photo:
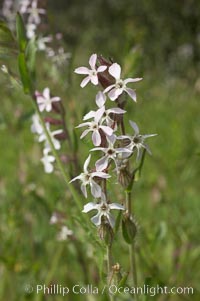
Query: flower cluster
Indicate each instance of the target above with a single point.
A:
(45, 103)
(104, 124)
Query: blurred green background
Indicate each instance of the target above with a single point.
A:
(160, 41)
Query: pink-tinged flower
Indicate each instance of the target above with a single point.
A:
(119, 87)
(100, 101)
(55, 141)
(95, 126)
(103, 209)
(24, 5)
(91, 73)
(35, 13)
(44, 100)
(87, 178)
(111, 153)
(47, 161)
(136, 141)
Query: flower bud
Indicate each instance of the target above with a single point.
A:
(105, 233)
(129, 229)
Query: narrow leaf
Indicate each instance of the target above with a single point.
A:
(23, 70)
(21, 33)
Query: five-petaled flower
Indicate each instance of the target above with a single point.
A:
(100, 101)
(103, 209)
(55, 141)
(136, 141)
(119, 87)
(110, 153)
(91, 73)
(87, 178)
(35, 13)
(45, 101)
(96, 127)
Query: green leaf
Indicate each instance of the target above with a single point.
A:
(21, 33)
(31, 50)
(7, 41)
(23, 70)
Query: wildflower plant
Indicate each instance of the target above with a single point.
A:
(117, 154)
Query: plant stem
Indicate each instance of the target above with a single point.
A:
(109, 269)
(132, 246)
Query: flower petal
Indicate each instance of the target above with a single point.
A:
(132, 80)
(116, 206)
(94, 79)
(131, 93)
(46, 93)
(89, 115)
(85, 166)
(107, 130)
(85, 81)
(100, 174)
(89, 206)
(134, 126)
(101, 68)
(82, 70)
(96, 138)
(115, 70)
(116, 111)
(100, 99)
(95, 189)
(108, 88)
(102, 163)
(84, 190)
(84, 133)
(92, 61)
(97, 219)
(114, 93)
(99, 113)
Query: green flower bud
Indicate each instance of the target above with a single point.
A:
(129, 229)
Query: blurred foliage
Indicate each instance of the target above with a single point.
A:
(156, 39)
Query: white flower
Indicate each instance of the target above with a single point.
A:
(120, 85)
(4, 69)
(60, 57)
(24, 5)
(55, 141)
(136, 141)
(44, 100)
(47, 161)
(64, 233)
(87, 178)
(100, 101)
(91, 73)
(95, 127)
(103, 209)
(110, 153)
(36, 126)
(35, 13)
(30, 30)
(41, 42)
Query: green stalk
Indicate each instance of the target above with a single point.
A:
(132, 253)
(109, 268)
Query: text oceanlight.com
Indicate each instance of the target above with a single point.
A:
(77, 289)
